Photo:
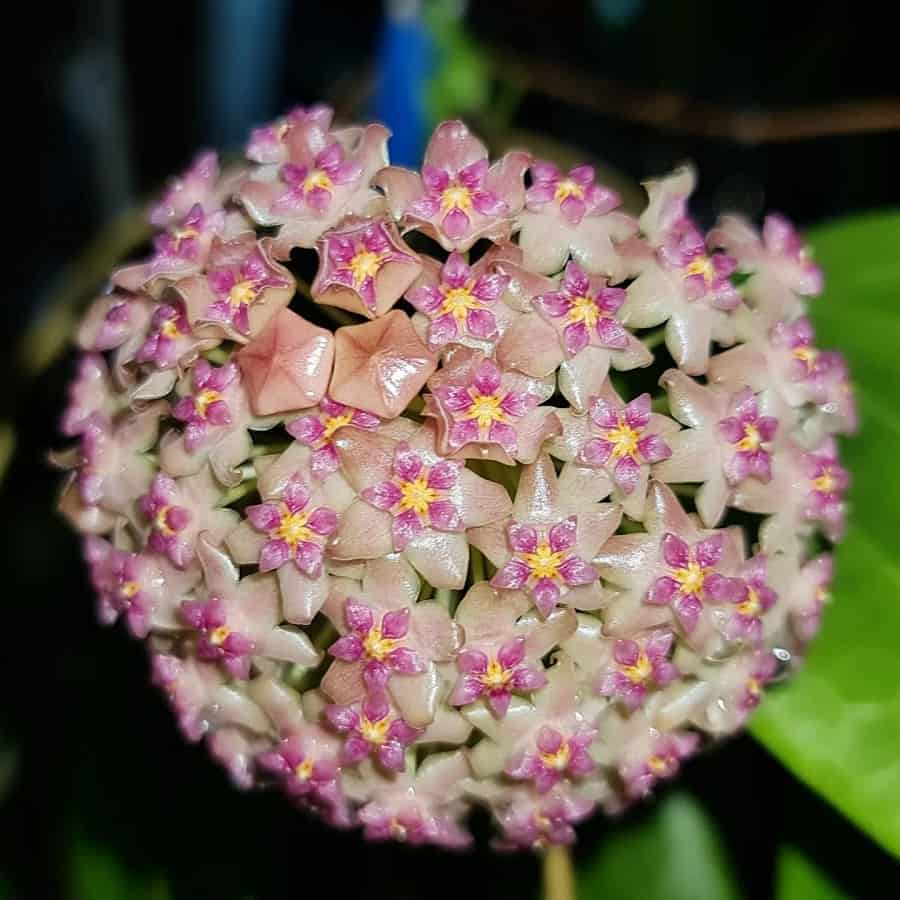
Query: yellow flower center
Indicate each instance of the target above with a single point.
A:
(456, 197)
(584, 309)
(822, 595)
(169, 329)
(376, 646)
(317, 179)
(568, 188)
(485, 409)
(364, 265)
(624, 439)
(703, 267)
(333, 423)
(806, 355)
(825, 482)
(458, 302)
(754, 687)
(184, 234)
(398, 831)
(752, 605)
(558, 760)
(417, 496)
(496, 676)
(374, 732)
(203, 400)
(640, 671)
(293, 528)
(751, 439)
(160, 522)
(658, 765)
(304, 770)
(218, 635)
(691, 578)
(129, 589)
(544, 563)
(242, 294)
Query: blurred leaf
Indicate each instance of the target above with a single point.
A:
(799, 878)
(97, 873)
(673, 852)
(837, 724)
(460, 82)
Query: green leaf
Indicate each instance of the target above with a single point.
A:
(837, 724)
(799, 878)
(673, 852)
(96, 872)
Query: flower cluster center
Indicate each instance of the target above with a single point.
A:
(456, 196)
(496, 677)
(568, 188)
(486, 408)
(691, 577)
(584, 309)
(751, 439)
(640, 671)
(458, 301)
(292, 529)
(624, 439)
(242, 294)
(374, 732)
(364, 265)
(205, 399)
(703, 267)
(559, 759)
(376, 646)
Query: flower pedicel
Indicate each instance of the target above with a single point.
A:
(413, 540)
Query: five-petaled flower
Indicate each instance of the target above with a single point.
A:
(294, 531)
(459, 304)
(495, 677)
(206, 408)
(313, 185)
(554, 757)
(380, 644)
(826, 483)
(635, 666)
(416, 496)
(372, 729)
(663, 761)
(750, 434)
(300, 770)
(216, 642)
(744, 623)
(167, 519)
(317, 429)
(692, 578)
(625, 440)
(544, 562)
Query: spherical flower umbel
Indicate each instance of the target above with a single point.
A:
(447, 528)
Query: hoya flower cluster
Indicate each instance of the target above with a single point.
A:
(512, 500)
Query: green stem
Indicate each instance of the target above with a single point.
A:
(476, 565)
(247, 486)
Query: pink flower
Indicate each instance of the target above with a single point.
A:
(413, 501)
(661, 763)
(750, 434)
(372, 730)
(195, 186)
(763, 669)
(207, 408)
(302, 768)
(237, 283)
(745, 622)
(637, 664)
(827, 482)
(167, 520)
(495, 678)
(380, 644)
(555, 756)
(809, 594)
(365, 267)
(680, 282)
(321, 176)
(269, 143)
(416, 496)
(169, 331)
(296, 532)
(115, 321)
(460, 304)
(91, 394)
(544, 562)
(584, 315)
(534, 821)
(216, 642)
(313, 185)
(318, 428)
(619, 441)
(190, 686)
(459, 197)
(482, 410)
(574, 195)
(692, 579)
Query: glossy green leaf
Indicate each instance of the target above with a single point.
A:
(837, 724)
(673, 852)
(799, 878)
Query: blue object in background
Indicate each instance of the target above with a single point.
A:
(405, 61)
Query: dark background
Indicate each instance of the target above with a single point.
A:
(782, 105)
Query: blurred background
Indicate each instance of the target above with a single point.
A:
(791, 106)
